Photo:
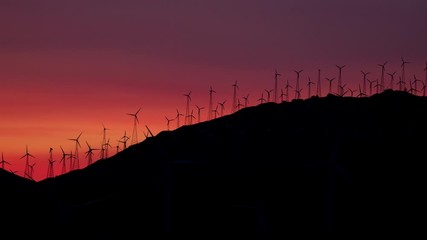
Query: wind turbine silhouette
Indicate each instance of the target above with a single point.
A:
(297, 89)
(239, 105)
(187, 108)
(371, 82)
(319, 88)
(64, 166)
(27, 166)
(215, 111)
(309, 86)
(31, 171)
(199, 109)
(361, 93)
(391, 79)
(365, 74)
(211, 91)
(89, 153)
(134, 138)
(222, 107)
(415, 83)
(235, 87)
(124, 140)
(403, 71)
(268, 94)
(50, 169)
(287, 86)
(107, 145)
(382, 74)
(340, 89)
(76, 164)
(168, 122)
(282, 94)
(261, 99)
(191, 117)
(3, 161)
(104, 140)
(178, 115)
(246, 100)
(276, 76)
(149, 131)
(330, 84)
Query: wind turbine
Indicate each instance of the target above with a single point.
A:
(340, 89)
(415, 84)
(246, 100)
(107, 145)
(149, 131)
(261, 99)
(104, 140)
(31, 171)
(215, 111)
(50, 169)
(365, 74)
(211, 91)
(287, 86)
(319, 88)
(134, 138)
(187, 108)
(222, 107)
(282, 94)
(403, 71)
(330, 84)
(239, 105)
(297, 90)
(191, 117)
(124, 140)
(64, 166)
(391, 79)
(276, 76)
(3, 161)
(178, 116)
(382, 74)
(76, 163)
(168, 122)
(309, 86)
(268, 94)
(27, 166)
(199, 109)
(235, 87)
(89, 153)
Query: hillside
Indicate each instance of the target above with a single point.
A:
(322, 166)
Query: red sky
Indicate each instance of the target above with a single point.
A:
(70, 67)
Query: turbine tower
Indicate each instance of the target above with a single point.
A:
(187, 108)
(319, 86)
(3, 161)
(89, 153)
(233, 107)
(27, 162)
(382, 75)
(391, 79)
(340, 88)
(76, 164)
(124, 140)
(297, 90)
(276, 76)
(365, 74)
(403, 73)
(210, 110)
(178, 115)
(50, 169)
(199, 109)
(134, 138)
(64, 166)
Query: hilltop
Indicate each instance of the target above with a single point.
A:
(322, 166)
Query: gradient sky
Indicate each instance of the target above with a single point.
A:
(71, 66)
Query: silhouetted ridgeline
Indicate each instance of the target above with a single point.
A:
(321, 166)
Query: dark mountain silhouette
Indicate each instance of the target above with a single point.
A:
(330, 166)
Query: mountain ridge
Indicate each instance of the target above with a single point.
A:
(323, 165)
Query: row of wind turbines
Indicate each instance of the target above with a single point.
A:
(366, 87)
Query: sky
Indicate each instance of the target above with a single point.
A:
(75, 67)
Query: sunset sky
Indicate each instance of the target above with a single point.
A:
(68, 67)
